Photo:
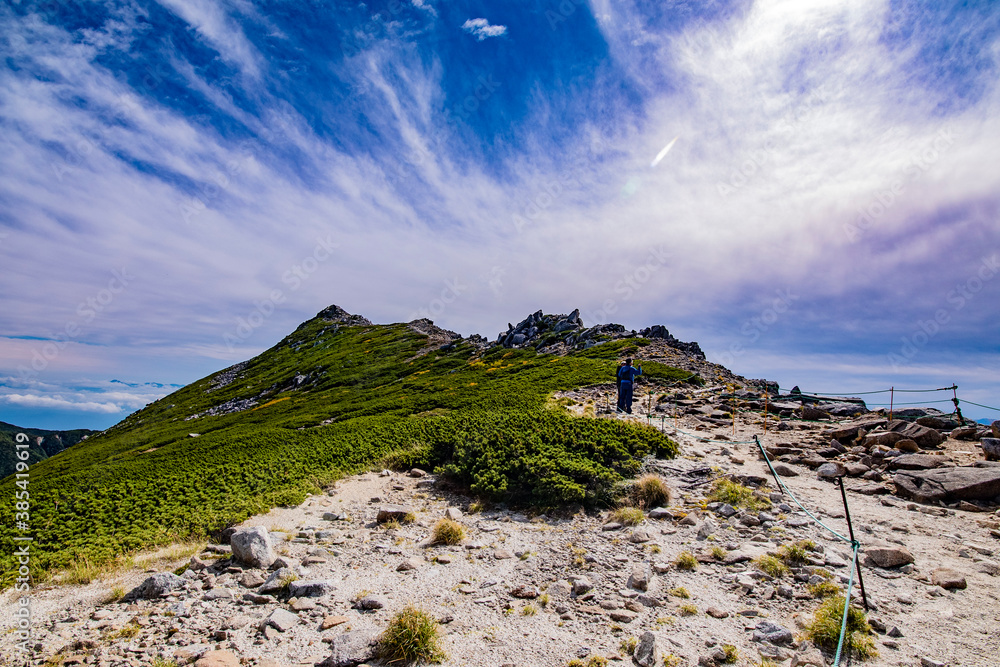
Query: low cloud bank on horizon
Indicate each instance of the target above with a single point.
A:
(808, 189)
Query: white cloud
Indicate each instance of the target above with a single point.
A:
(56, 402)
(482, 29)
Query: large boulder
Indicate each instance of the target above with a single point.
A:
(918, 462)
(887, 556)
(995, 427)
(848, 432)
(948, 484)
(252, 546)
(923, 436)
(991, 448)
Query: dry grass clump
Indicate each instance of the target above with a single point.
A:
(824, 630)
(412, 636)
(448, 532)
(736, 494)
(650, 491)
(686, 561)
(770, 566)
(628, 516)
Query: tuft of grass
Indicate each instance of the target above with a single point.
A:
(771, 566)
(628, 516)
(161, 662)
(655, 549)
(412, 636)
(824, 589)
(391, 524)
(287, 579)
(125, 632)
(475, 507)
(597, 661)
(114, 595)
(671, 660)
(688, 609)
(824, 629)
(686, 561)
(448, 532)
(628, 645)
(544, 600)
(529, 610)
(680, 592)
(732, 654)
(651, 491)
(793, 554)
(718, 553)
(736, 494)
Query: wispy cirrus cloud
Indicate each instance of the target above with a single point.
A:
(208, 150)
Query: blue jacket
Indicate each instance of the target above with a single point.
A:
(628, 373)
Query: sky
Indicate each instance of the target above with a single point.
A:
(808, 188)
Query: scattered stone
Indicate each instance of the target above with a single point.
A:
(277, 581)
(948, 579)
(351, 649)
(155, 586)
(252, 546)
(218, 659)
(887, 556)
(647, 652)
(639, 536)
(622, 616)
(393, 513)
(640, 577)
(368, 603)
(715, 612)
(907, 445)
(582, 585)
(831, 470)
(252, 579)
(411, 563)
(332, 622)
(281, 620)
(453, 513)
(310, 588)
(525, 592)
(808, 657)
(220, 593)
(502, 554)
(770, 631)
(917, 462)
(929, 662)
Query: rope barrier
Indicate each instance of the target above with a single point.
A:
(980, 406)
(855, 546)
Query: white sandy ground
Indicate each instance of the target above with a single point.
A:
(956, 628)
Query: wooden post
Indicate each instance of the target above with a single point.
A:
(765, 412)
(892, 393)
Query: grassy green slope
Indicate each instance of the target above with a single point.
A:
(146, 481)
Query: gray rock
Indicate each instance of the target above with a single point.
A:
(276, 582)
(304, 588)
(925, 437)
(252, 546)
(706, 529)
(785, 470)
(640, 578)
(368, 604)
(917, 462)
(991, 448)
(453, 513)
(948, 484)
(726, 510)
(647, 653)
(350, 649)
(809, 656)
(848, 432)
(886, 556)
(281, 562)
(582, 585)
(219, 593)
(251, 579)
(525, 592)
(948, 579)
(995, 428)
(393, 513)
(281, 620)
(769, 631)
(411, 563)
(831, 470)
(155, 586)
(639, 536)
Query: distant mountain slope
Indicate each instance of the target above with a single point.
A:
(42, 444)
(338, 395)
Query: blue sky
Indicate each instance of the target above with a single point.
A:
(182, 183)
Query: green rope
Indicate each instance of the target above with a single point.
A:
(980, 406)
(847, 605)
(792, 495)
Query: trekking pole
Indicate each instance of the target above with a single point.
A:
(854, 543)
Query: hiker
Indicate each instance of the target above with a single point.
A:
(626, 378)
(618, 386)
